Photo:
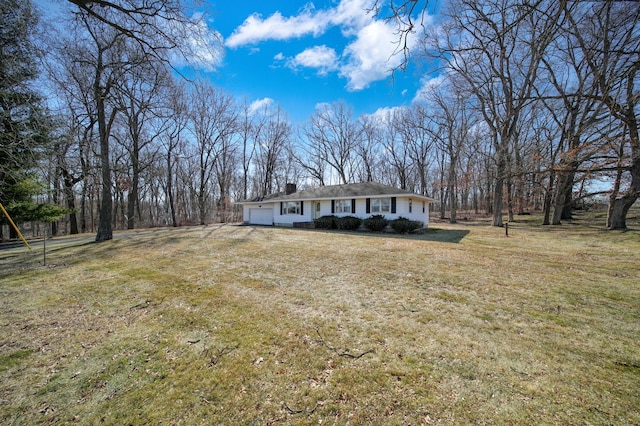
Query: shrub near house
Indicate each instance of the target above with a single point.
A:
(375, 223)
(402, 225)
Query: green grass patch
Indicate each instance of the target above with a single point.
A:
(14, 358)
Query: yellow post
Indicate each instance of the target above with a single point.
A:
(14, 226)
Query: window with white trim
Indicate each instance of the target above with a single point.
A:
(380, 205)
(343, 206)
(291, 207)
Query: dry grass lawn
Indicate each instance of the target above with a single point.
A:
(254, 325)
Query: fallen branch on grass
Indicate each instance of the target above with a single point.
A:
(215, 358)
(145, 304)
(345, 354)
(627, 364)
(410, 310)
(301, 411)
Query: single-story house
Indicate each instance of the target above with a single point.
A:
(357, 199)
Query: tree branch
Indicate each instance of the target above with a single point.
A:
(339, 352)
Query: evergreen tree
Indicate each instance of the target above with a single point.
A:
(23, 124)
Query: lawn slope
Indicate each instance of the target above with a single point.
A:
(230, 324)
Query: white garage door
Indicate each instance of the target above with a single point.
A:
(261, 216)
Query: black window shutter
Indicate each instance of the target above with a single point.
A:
(333, 206)
(302, 208)
(353, 205)
(280, 208)
(368, 205)
(393, 204)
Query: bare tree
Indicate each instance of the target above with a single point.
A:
(137, 96)
(158, 28)
(332, 136)
(419, 136)
(71, 163)
(313, 164)
(497, 48)
(176, 119)
(610, 42)
(248, 126)
(107, 63)
(395, 148)
(225, 168)
(213, 120)
(453, 120)
(273, 137)
(568, 93)
(368, 150)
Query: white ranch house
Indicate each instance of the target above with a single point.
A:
(358, 199)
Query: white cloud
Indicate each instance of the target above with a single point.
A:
(279, 57)
(260, 105)
(322, 106)
(370, 57)
(322, 57)
(349, 14)
(352, 15)
(385, 114)
(202, 48)
(276, 27)
(427, 86)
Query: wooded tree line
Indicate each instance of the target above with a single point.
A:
(535, 108)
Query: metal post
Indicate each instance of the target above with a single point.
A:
(44, 245)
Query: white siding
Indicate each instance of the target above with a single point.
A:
(402, 210)
(289, 219)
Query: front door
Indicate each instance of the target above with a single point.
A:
(316, 209)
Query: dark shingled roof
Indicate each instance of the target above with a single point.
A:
(351, 190)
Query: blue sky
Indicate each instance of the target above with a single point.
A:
(297, 55)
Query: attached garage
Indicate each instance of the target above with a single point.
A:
(261, 216)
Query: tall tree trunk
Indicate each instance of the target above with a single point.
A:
(105, 229)
(132, 196)
(619, 210)
(70, 197)
(443, 192)
(54, 224)
(498, 191)
(547, 201)
(68, 182)
(620, 206)
(202, 197)
(172, 207)
(562, 204)
(451, 189)
(510, 201)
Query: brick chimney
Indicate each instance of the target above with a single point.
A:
(290, 188)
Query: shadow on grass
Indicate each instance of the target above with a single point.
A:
(582, 221)
(430, 234)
